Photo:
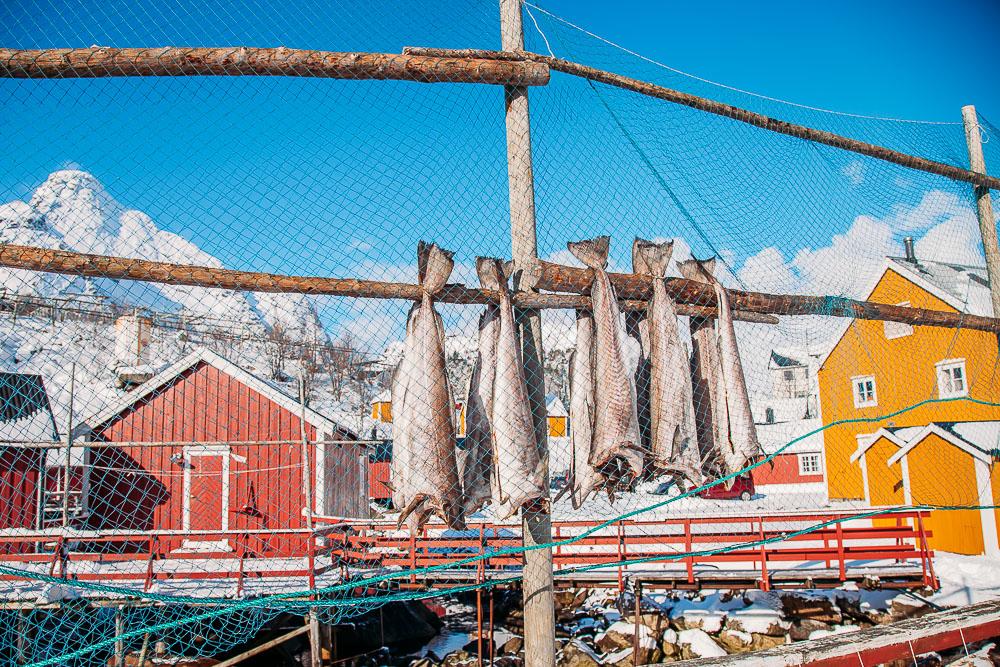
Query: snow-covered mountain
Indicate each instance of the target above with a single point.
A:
(71, 210)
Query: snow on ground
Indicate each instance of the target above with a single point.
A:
(966, 579)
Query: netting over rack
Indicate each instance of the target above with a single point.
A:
(189, 457)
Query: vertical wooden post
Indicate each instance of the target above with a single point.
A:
(539, 603)
(984, 206)
(67, 476)
(315, 641)
(119, 631)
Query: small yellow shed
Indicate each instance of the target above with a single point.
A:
(950, 466)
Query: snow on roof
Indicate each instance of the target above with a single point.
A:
(773, 437)
(554, 407)
(968, 286)
(323, 423)
(25, 412)
(781, 361)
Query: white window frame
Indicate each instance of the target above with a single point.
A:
(894, 330)
(812, 456)
(858, 402)
(944, 366)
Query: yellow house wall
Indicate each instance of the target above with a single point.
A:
(904, 375)
(995, 482)
(942, 474)
(885, 482)
(557, 427)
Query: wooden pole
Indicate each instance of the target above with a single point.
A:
(539, 602)
(984, 205)
(728, 111)
(67, 476)
(693, 298)
(315, 640)
(243, 61)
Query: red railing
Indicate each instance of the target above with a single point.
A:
(759, 546)
(764, 544)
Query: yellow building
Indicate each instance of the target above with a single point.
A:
(874, 368)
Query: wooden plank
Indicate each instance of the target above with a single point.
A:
(735, 113)
(257, 650)
(560, 278)
(551, 276)
(99, 61)
(880, 644)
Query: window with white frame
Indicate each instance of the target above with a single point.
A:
(864, 391)
(952, 381)
(810, 464)
(897, 329)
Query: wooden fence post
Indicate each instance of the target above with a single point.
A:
(984, 205)
(539, 602)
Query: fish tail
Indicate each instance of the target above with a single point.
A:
(593, 253)
(702, 270)
(490, 272)
(434, 266)
(653, 257)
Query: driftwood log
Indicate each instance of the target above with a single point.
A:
(243, 61)
(693, 298)
(727, 110)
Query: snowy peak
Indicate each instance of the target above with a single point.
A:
(72, 210)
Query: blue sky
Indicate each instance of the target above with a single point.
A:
(342, 178)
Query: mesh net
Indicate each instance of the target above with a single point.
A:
(183, 466)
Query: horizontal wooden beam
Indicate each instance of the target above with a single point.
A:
(120, 268)
(243, 61)
(729, 111)
(559, 278)
(693, 298)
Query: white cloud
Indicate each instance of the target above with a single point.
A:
(855, 172)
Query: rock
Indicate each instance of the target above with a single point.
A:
(577, 654)
(735, 641)
(814, 608)
(698, 644)
(512, 646)
(473, 647)
(901, 608)
(423, 662)
(459, 659)
(801, 630)
(763, 642)
(669, 646)
(612, 640)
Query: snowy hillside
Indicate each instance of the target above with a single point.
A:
(71, 210)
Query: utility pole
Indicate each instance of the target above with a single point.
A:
(536, 521)
(984, 206)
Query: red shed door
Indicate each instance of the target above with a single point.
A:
(206, 498)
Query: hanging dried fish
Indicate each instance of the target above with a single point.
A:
(583, 479)
(476, 462)
(517, 467)
(717, 360)
(424, 468)
(674, 441)
(616, 452)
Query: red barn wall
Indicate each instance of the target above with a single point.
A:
(19, 479)
(784, 471)
(378, 480)
(141, 488)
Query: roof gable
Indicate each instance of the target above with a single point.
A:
(323, 424)
(890, 264)
(25, 411)
(947, 431)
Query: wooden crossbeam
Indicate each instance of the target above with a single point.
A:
(243, 61)
(693, 298)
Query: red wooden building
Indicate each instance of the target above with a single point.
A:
(798, 459)
(25, 420)
(211, 456)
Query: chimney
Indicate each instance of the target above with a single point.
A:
(132, 334)
(911, 256)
